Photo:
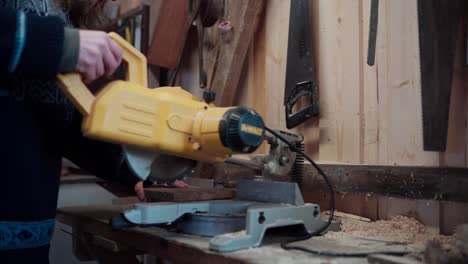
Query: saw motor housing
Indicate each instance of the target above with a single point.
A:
(166, 120)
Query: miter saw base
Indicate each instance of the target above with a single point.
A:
(235, 224)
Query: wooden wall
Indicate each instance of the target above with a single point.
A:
(369, 115)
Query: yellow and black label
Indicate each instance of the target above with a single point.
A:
(251, 129)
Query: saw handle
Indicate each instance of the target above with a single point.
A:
(74, 88)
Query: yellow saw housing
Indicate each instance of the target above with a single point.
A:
(165, 120)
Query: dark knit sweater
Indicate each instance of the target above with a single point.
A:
(39, 126)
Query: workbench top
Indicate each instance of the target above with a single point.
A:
(173, 246)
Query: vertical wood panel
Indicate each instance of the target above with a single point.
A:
(401, 93)
(370, 89)
(369, 115)
(276, 44)
(339, 80)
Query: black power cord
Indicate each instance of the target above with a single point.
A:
(325, 178)
(286, 245)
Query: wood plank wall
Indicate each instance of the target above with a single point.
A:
(369, 115)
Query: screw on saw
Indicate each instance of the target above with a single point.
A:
(283, 160)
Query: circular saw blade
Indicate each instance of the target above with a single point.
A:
(157, 167)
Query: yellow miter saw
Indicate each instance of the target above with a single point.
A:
(164, 131)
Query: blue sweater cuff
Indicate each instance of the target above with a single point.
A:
(71, 48)
(43, 47)
(19, 43)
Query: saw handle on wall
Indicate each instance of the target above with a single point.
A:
(74, 88)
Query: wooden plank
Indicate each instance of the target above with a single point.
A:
(78, 178)
(400, 125)
(339, 60)
(348, 244)
(126, 200)
(158, 194)
(253, 93)
(386, 259)
(439, 24)
(350, 216)
(105, 256)
(448, 184)
(170, 32)
(369, 99)
(244, 16)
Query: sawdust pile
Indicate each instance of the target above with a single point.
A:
(455, 252)
(398, 228)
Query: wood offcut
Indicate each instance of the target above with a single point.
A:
(158, 194)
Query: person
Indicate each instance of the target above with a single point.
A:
(40, 125)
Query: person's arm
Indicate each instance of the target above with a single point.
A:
(30, 45)
(36, 46)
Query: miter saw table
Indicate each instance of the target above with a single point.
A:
(94, 239)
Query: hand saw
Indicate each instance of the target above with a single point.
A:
(300, 82)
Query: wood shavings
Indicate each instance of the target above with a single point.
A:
(398, 229)
(448, 252)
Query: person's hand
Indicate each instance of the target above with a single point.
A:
(99, 55)
(180, 184)
(140, 190)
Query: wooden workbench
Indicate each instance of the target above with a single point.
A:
(91, 230)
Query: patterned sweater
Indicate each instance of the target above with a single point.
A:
(39, 127)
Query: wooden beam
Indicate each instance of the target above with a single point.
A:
(244, 16)
(448, 184)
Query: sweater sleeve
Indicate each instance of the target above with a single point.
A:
(99, 158)
(31, 45)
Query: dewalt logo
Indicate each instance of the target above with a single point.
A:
(251, 130)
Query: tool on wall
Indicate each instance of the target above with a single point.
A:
(165, 131)
(206, 13)
(373, 24)
(439, 25)
(300, 81)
